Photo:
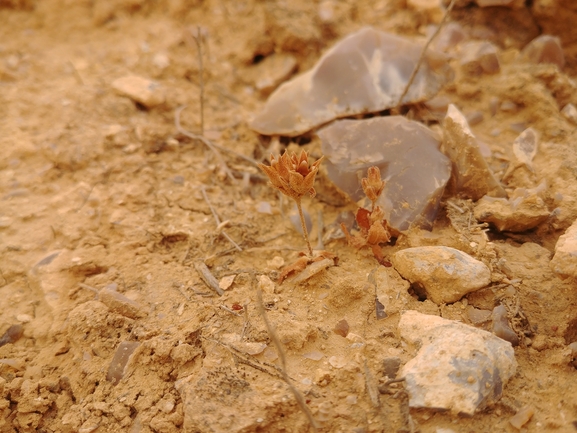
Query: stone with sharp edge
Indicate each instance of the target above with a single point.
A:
(406, 152)
(471, 176)
(365, 72)
(457, 368)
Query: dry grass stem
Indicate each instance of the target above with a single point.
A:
(320, 230)
(425, 48)
(206, 142)
(243, 359)
(217, 219)
(234, 313)
(214, 147)
(282, 357)
(246, 321)
(304, 226)
(189, 36)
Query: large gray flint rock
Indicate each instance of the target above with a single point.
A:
(406, 152)
(457, 368)
(365, 72)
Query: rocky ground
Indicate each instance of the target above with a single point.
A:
(107, 223)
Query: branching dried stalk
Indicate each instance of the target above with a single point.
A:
(282, 357)
(189, 36)
(219, 224)
(425, 48)
(293, 176)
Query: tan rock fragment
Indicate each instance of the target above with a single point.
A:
(471, 175)
(479, 57)
(139, 89)
(446, 274)
(523, 211)
(272, 71)
(564, 262)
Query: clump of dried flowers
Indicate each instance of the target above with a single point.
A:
(372, 224)
(295, 177)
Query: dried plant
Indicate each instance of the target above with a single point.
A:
(293, 176)
(373, 185)
(372, 224)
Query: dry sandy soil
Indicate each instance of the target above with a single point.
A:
(97, 191)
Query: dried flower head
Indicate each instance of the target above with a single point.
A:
(292, 175)
(373, 185)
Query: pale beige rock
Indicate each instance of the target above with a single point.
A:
(478, 57)
(525, 147)
(406, 152)
(272, 71)
(120, 304)
(564, 262)
(524, 210)
(139, 89)
(365, 72)
(471, 175)
(226, 282)
(446, 274)
(522, 417)
(570, 113)
(545, 49)
(457, 368)
(266, 284)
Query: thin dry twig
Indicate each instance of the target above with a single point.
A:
(197, 40)
(234, 313)
(246, 321)
(206, 142)
(217, 219)
(242, 358)
(320, 230)
(281, 354)
(180, 288)
(425, 48)
(212, 146)
(207, 276)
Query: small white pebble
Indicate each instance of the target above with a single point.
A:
(570, 113)
(351, 399)
(24, 318)
(264, 207)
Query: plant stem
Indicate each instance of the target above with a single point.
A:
(304, 226)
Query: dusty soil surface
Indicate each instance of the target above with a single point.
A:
(98, 191)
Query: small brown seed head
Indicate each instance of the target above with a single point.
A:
(292, 175)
